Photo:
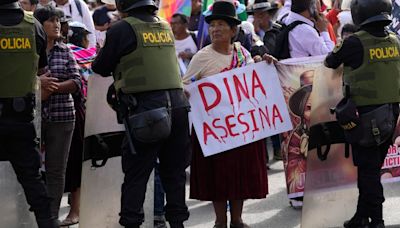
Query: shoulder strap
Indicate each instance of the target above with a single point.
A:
(79, 6)
(193, 35)
(284, 16)
(292, 25)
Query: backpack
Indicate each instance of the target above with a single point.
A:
(276, 40)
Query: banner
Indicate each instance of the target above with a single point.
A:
(237, 107)
(297, 77)
(391, 166)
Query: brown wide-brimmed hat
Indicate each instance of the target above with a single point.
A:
(223, 10)
(298, 99)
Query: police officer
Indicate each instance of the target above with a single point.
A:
(371, 81)
(139, 52)
(22, 41)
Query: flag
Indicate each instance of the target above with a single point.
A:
(170, 7)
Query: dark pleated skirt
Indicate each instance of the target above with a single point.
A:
(237, 174)
(74, 166)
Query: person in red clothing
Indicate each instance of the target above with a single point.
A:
(332, 15)
(321, 7)
(240, 173)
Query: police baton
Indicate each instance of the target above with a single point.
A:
(128, 135)
(120, 107)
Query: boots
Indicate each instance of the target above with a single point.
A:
(357, 222)
(376, 225)
(176, 225)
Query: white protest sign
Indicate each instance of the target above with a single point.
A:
(238, 107)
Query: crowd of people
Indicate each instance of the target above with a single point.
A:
(76, 38)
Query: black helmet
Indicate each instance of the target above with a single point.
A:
(126, 5)
(3, 2)
(9, 4)
(367, 11)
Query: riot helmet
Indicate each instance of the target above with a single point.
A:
(127, 5)
(3, 2)
(9, 4)
(367, 11)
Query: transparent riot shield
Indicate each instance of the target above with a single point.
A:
(101, 182)
(37, 111)
(331, 193)
(14, 209)
(101, 187)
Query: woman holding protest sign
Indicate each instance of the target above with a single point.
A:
(240, 173)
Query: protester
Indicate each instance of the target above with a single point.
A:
(321, 7)
(220, 178)
(58, 112)
(332, 15)
(263, 12)
(344, 17)
(304, 39)
(371, 88)
(195, 15)
(43, 3)
(17, 132)
(148, 91)
(185, 41)
(29, 5)
(103, 17)
(64, 20)
(78, 43)
(78, 10)
(245, 39)
(257, 49)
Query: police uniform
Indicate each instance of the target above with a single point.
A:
(139, 52)
(22, 40)
(371, 78)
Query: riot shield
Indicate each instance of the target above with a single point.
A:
(330, 195)
(101, 186)
(14, 208)
(102, 175)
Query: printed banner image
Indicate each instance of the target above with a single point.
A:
(297, 77)
(296, 81)
(237, 107)
(391, 166)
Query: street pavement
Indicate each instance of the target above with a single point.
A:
(273, 211)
